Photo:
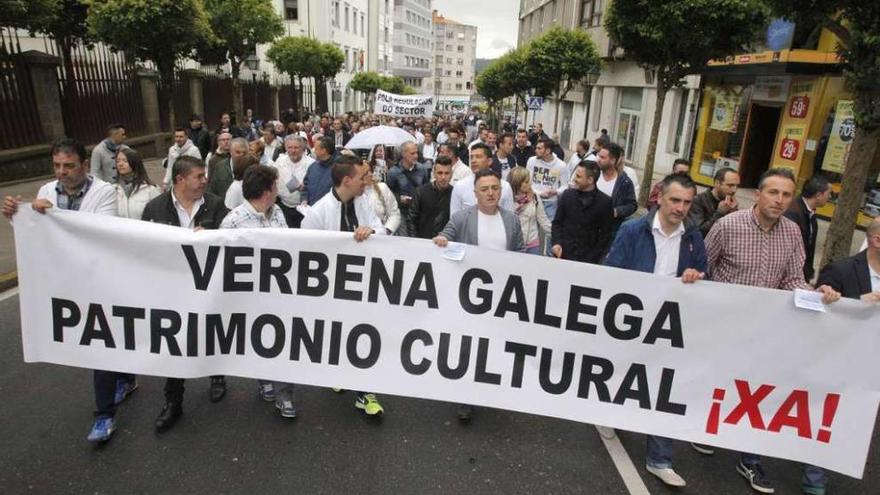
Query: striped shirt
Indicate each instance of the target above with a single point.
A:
(244, 216)
(739, 251)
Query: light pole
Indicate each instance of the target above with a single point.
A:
(591, 80)
(253, 64)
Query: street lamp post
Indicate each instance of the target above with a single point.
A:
(590, 81)
(253, 64)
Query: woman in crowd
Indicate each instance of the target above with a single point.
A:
(383, 201)
(529, 209)
(134, 189)
(428, 149)
(378, 164)
(234, 196)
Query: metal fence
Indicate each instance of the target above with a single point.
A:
(258, 97)
(217, 94)
(19, 120)
(101, 88)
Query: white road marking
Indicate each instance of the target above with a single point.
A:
(622, 462)
(10, 293)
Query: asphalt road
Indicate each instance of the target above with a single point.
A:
(241, 445)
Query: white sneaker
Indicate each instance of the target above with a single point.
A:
(667, 475)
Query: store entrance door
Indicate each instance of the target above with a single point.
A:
(759, 140)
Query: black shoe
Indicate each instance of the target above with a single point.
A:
(465, 412)
(169, 415)
(218, 388)
(756, 477)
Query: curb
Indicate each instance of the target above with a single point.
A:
(8, 281)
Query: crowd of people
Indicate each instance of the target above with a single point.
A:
(458, 180)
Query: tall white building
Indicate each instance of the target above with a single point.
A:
(381, 33)
(413, 41)
(344, 23)
(622, 100)
(455, 56)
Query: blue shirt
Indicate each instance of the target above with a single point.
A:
(72, 202)
(318, 180)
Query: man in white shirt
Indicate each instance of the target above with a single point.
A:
(346, 209)
(483, 137)
(549, 175)
(459, 169)
(74, 189)
(463, 191)
(579, 155)
(661, 243)
(292, 167)
(182, 146)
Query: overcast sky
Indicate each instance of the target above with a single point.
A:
(497, 22)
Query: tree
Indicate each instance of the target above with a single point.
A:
(515, 69)
(367, 83)
(675, 39)
(329, 64)
(562, 59)
(301, 57)
(392, 84)
(294, 55)
(239, 26)
(62, 20)
(856, 23)
(409, 90)
(160, 31)
(494, 89)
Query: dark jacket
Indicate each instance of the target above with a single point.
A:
(429, 212)
(318, 180)
(797, 212)
(523, 154)
(583, 225)
(704, 211)
(332, 135)
(849, 276)
(633, 248)
(234, 130)
(496, 164)
(405, 182)
(201, 138)
(219, 177)
(161, 210)
(623, 199)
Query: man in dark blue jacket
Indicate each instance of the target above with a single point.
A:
(318, 180)
(662, 243)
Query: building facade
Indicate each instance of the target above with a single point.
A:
(413, 43)
(381, 33)
(622, 101)
(455, 55)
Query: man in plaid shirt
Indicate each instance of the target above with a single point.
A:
(762, 248)
(259, 210)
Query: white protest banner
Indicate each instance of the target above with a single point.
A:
(726, 365)
(403, 106)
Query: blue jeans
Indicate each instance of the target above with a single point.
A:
(534, 250)
(659, 452)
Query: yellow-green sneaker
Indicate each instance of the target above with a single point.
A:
(369, 404)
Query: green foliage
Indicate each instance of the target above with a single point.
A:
(392, 84)
(679, 38)
(32, 15)
(561, 58)
(366, 82)
(857, 24)
(409, 90)
(300, 56)
(240, 25)
(491, 86)
(159, 30)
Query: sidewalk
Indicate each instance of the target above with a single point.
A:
(28, 190)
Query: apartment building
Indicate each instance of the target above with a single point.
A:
(455, 55)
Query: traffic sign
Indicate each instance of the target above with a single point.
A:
(536, 102)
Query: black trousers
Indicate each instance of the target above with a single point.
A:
(105, 391)
(174, 388)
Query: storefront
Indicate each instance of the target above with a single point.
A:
(788, 109)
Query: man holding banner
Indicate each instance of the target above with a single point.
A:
(76, 190)
(661, 243)
(346, 209)
(761, 248)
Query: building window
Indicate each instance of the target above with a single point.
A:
(448, 60)
(438, 59)
(354, 21)
(591, 13)
(679, 123)
(346, 18)
(336, 14)
(386, 33)
(460, 62)
(291, 10)
(460, 48)
(459, 73)
(596, 109)
(363, 31)
(458, 86)
(467, 85)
